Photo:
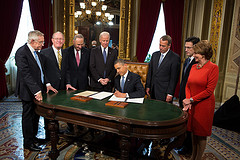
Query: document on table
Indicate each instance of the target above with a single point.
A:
(129, 100)
(114, 98)
(135, 100)
(101, 95)
(86, 93)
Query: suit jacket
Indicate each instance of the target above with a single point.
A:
(77, 76)
(97, 68)
(182, 94)
(53, 74)
(162, 80)
(28, 74)
(133, 85)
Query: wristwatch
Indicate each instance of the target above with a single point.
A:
(191, 100)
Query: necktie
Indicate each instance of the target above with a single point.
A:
(59, 59)
(104, 55)
(187, 64)
(77, 58)
(39, 65)
(160, 60)
(122, 84)
(105, 59)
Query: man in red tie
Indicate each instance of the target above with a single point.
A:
(77, 65)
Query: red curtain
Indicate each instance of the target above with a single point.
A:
(173, 11)
(10, 13)
(41, 12)
(149, 11)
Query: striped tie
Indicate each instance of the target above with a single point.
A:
(59, 59)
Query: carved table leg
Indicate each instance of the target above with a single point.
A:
(125, 146)
(177, 142)
(53, 128)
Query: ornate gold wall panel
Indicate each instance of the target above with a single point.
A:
(216, 26)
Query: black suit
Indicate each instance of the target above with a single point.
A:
(97, 68)
(28, 83)
(76, 75)
(133, 85)
(182, 94)
(162, 80)
(53, 74)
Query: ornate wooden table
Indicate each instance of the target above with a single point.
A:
(150, 120)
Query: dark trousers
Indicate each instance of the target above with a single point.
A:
(29, 122)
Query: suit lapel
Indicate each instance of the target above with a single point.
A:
(127, 81)
(32, 57)
(165, 60)
(53, 57)
(109, 54)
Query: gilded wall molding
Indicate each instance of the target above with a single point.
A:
(216, 27)
(122, 35)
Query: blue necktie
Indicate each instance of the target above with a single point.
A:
(160, 60)
(122, 84)
(39, 65)
(187, 64)
(104, 55)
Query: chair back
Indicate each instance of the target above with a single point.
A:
(140, 69)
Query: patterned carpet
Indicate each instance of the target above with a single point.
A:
(222, 144)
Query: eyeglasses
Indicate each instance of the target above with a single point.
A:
(40, 42)
(188, 47)
(58, 39)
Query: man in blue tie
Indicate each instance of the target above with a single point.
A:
(29, 86)
(127, 84)
(101, 65)
(189, 42)
(163, 72)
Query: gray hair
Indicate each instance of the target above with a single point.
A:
(166, 38)
(34, 35)
(104, 33)
(58, 32)
(78, 36)
(120, 61)
(94, 42)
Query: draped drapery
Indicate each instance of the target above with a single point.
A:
(41, 12)
(149, 11)
(10, 13)
(173, 11)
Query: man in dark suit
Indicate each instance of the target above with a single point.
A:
(127, 84)
(29, 86)
(78, 64)
(101, 65)
(163, 72)
(189, 42)
(54, 63)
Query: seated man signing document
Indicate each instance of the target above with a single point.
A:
(127, 84)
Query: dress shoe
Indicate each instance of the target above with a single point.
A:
(184, 151)
(32, 147)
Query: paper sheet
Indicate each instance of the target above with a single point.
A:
(85, 93)
(114, 98)
(135, 100)
(101, 95)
